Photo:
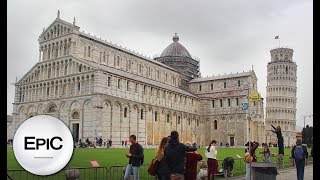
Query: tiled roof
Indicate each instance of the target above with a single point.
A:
(127, 51)
(141, 79)
(222, 77)
(225, 94)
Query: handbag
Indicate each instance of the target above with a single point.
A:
(153, 167)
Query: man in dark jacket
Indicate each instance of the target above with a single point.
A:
(299, 156)
(135, 156)
(175, 153)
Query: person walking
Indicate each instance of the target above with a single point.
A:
(299, 156)
(163, 171)
(192, 159)
(175, 154)
(136, 157)
(211, 154)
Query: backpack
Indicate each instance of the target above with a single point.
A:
(299, 153)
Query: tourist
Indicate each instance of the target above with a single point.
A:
(125, 143)
(110, 142)
(136, 157)
(299, 157)
(250, 156)
(163, 171)
(211, 154)
(122, 142)
(192, 159)
(175, 153)
(266, 154)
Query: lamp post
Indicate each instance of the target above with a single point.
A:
(304, 120)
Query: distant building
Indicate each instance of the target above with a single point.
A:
(10, 127)
(98, 88)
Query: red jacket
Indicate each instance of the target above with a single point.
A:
(192, 159)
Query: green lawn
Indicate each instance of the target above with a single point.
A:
(109, 157)
(115, 157)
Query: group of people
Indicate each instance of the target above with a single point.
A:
(175, 160)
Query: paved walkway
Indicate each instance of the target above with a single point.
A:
(286, 174)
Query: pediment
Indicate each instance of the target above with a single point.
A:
(58, 28)
(32, 73)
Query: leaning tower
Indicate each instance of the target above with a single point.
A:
(281, 95)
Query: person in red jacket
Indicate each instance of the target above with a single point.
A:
(192, 159)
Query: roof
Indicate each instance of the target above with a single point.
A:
(225, 94)
(126, 50)
(243, 74)
(142, 79)
(175, 49)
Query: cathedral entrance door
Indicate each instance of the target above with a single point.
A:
(75, 132)
(231, 141)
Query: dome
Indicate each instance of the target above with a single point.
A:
(175, 49)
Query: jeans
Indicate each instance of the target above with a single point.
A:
(300, 169)
(248, 169)
(163, 177)
(129, 170)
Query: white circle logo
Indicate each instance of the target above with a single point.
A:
(43, 145)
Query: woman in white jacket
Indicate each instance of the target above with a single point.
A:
(211, 154)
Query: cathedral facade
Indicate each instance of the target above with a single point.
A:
(98, 88)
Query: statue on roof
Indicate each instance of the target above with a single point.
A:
(58, 14)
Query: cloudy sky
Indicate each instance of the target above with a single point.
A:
(227, 36)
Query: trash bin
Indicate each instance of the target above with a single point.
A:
(72, 174)
(263, 171)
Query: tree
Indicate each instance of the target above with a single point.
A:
(307, 135)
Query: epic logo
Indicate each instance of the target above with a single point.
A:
(43, 145)
(41, 142)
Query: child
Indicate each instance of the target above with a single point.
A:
(202, 175)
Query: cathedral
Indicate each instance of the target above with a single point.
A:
(101, 89)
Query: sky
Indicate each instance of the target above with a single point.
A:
(227, 36)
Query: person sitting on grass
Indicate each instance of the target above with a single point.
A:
(266, 154)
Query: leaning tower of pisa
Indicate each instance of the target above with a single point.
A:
(281, 95)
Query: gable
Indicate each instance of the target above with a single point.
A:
(33, 73)
(58, 28)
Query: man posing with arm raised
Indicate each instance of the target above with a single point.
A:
(175, 153)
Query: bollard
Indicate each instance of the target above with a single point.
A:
(72, 174)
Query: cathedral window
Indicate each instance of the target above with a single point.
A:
(80, 68)
(78, 86)
(168, 118)
(136, 88)
(224, 84)
(141, 114)
(149, 71)
(119, 82)
(85, 49)
(65, 49)
(237, 101)
(52, 109)
(211, 86)
(189, 122)
(155, 116)
(49, 72)
(125, 112)
(215, 124)
(254, 103)
(166, 77)
(58, 69)
(109, 81)
(221, 103)
(128, 83)
(65, 69)
(239, 83)
(198, 122)
(144, 89)
(200, 87)
(229, 103)
(104, 56)
(118, 61)
(212, 103)
(286, 69)
(75, 115)
(89, 51)
(140, 68)
(158, 75)
(47, 91)
(178, 119)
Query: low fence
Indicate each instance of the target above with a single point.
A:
(117, 172)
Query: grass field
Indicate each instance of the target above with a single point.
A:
(114, 160)
(110, 157)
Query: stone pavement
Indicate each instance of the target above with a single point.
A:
(288, 174)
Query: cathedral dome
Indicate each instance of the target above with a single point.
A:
(175, 49)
